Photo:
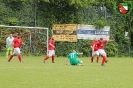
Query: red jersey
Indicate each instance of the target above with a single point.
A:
(17, 42)
(52, 42)
(101, 44)
(95, 45)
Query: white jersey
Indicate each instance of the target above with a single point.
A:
(9, 41)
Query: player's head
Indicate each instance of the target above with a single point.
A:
(52, 37)
(19, 35)
(10, 35)
(101, 39)
(73, 50)
(95, 39)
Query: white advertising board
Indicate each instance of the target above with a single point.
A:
(89, 32)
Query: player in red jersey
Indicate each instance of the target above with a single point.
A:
(51, 50)
(101, 51)
(94, 50)
(17, 42)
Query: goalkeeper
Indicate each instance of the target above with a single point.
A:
(72, 57)
(9, 45)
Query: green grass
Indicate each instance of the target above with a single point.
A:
(117, 73)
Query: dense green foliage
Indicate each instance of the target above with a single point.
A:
(48, 12)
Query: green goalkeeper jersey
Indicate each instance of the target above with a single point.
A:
(73, 58)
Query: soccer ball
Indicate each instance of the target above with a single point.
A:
(81, 62)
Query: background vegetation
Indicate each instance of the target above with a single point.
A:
(93, 12)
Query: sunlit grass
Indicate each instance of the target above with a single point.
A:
(33, 73)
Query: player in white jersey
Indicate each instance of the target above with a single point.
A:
(9, 45)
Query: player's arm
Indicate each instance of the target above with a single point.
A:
(111, 40)
(23, 43)
(13, 44)
(6, 44)
(81, 53)
(6, 41)
(67, 61)
(51, 45)
(92, 46)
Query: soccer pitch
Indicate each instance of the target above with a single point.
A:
(33, 73)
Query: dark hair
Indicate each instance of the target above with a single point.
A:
(101, 38)
(18, 34)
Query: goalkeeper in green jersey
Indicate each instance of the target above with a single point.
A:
(72, 57)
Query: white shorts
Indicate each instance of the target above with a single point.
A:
(95, 53)
(51, 52)
(16, 51)
(101, 51)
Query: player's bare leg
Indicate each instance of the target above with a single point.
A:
(7, 53)
(10, 52)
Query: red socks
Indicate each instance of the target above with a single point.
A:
(97, 58)
(10, 57)
(20, 58)
(104, 59)
(46, 57)
(52, 58)
(92, 58)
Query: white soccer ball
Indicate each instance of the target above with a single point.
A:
(81, 62)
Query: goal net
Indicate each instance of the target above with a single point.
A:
(35, 39)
